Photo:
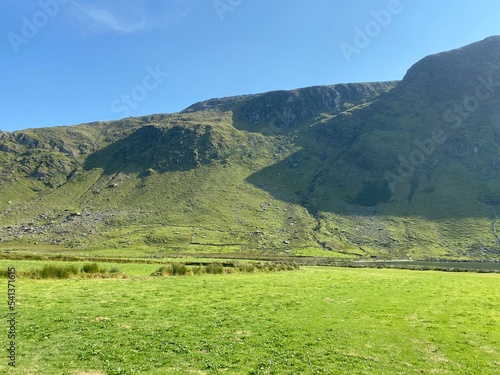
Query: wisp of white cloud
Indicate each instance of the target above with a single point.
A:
(103, 20)
(129, 16)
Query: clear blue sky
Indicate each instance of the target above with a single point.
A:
(65, 62)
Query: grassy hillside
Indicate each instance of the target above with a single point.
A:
(163, 183)
(394, 170)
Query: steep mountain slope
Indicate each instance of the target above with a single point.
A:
(418, 170)
(152, 183)
(391, 169)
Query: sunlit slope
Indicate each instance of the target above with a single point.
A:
(393, 169)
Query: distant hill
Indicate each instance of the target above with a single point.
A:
(407, 169)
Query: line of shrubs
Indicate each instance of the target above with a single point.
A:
(53, 271)
(417, 267)
(181, 269)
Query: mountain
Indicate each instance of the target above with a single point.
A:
(406, 169)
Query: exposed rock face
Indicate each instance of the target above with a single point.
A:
(160, 148)
(291, 108)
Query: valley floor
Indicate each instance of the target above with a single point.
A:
(309, 321)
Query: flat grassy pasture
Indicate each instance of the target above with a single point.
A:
(309, 321)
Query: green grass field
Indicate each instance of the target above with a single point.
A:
(309, 321)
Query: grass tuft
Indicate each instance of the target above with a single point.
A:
(51, 271)
(93, 268)
(215, 268)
